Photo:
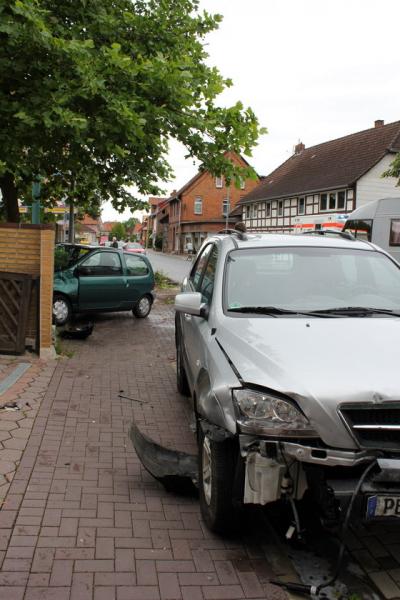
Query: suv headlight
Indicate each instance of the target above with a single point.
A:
(265, 414)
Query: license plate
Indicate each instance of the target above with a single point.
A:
(383, 506)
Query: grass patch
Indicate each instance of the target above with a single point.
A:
(163, 281)
(59, 347)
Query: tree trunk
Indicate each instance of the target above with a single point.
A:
(10, 197)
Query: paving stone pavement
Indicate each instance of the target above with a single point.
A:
(15, 426)
(82, 518)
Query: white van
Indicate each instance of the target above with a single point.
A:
(379, 223)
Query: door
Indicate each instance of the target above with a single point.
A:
(138, 279)
(102, 284)
(196, 330)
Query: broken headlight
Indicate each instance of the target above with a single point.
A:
(266, 414)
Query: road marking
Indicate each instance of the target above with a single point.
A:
(13, 376)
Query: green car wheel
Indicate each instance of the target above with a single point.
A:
(62, 310)
(143, 307)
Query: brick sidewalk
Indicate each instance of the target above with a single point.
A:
(84, 521)
(15, 426)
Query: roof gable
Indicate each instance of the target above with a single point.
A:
(333, 164)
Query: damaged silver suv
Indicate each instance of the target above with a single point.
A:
(288, 347)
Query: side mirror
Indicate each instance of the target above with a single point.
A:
(191, 303)
(77, 271)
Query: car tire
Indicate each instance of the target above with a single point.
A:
(217, 462)
(62, 310)
(143, 307)
(181, 377)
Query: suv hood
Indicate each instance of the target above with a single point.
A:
(320, 363)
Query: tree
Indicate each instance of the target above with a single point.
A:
(93, 90)
(394, 169)
(118, 231)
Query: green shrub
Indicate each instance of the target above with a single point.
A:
(61, 259)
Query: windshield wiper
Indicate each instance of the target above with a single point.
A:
(357, 310)
(272, 310)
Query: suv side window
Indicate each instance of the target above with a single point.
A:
(197, 271)
(207, 281)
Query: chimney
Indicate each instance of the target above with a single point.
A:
(379, 123)
(299, 147)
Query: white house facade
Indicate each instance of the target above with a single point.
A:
(319, 186)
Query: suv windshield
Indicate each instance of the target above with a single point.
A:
(307, 279)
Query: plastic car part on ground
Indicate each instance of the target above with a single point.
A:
(77, 330)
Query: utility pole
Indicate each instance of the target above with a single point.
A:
(71, 225)
(35, 216)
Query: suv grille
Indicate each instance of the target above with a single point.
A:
(374, 426)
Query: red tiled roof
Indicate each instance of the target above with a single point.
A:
(88, 220)
(333, 164)
(108, 225)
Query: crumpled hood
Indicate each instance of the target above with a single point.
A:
(321, 363)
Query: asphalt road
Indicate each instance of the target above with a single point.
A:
(175, 267)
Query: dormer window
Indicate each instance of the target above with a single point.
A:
(219, 182)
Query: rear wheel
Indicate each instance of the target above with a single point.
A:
(143, 307)
(62, 310)
(216, 476)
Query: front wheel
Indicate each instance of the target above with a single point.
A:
(217, 462)
(62, 310)
(143, 307)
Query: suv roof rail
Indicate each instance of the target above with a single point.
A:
(344, 234)
(240, 234)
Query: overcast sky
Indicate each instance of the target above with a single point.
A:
(312, 70)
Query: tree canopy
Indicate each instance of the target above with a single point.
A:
(93, 90)
(394, 169)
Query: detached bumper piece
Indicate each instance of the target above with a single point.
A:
(176, 470)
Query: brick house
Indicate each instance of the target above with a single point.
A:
(319, 186)
(202, 206)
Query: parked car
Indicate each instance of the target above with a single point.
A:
(288, 348)
(134, 247)
(378, 222)
(104, 279)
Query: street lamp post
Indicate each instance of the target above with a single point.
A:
(228, 202)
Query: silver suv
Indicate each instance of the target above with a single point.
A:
(289, 348)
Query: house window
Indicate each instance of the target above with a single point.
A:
(280, 208)
(242, 183)
(302, 205)
(341, 197)
(198, 205)
(268, 209)
(254, 211)
(218, 182)
(332, 201)
(248, 211)
(225, 207)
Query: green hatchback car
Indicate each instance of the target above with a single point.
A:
(103, 280)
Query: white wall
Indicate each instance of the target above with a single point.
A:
(372, 186)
